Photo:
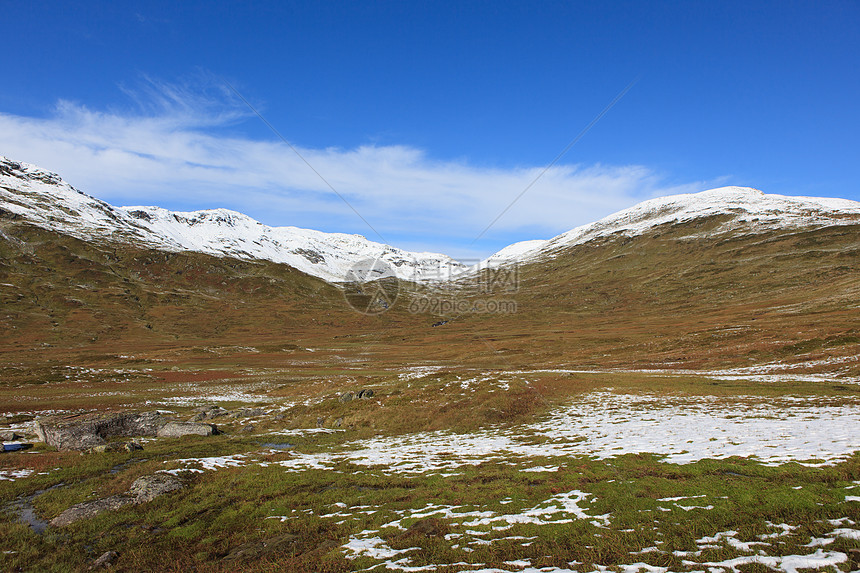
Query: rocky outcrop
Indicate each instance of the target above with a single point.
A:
(115, 447)
(85, 431)
(143, 490)
(179, 429)
(149, 487)
(208, 412)
(248, 413)
(90, 509)
(105, 561)
(9, 436)
(363, 394)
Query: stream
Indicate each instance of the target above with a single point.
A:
(27, 513)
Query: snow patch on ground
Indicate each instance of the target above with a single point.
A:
(210, 463)
(203, 399)
(12, 475)
(559, 509)
(787, 563)
(605, 425)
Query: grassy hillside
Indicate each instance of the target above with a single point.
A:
(672, 298)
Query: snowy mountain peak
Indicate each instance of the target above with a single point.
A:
(28, 172)
(747, 209)
(44, 199)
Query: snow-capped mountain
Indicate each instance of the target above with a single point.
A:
(44, 199)
(745, 209)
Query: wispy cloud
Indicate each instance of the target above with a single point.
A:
(173, 150)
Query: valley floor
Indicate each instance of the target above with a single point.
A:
(607, 471)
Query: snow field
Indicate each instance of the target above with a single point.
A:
(600, 425)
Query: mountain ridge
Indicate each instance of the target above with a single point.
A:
(48, 201)
(751, 210)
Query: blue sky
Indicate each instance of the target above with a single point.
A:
(431, 117)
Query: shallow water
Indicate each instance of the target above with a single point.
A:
(27, 513)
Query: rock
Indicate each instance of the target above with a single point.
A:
(178, 429)
(95, 450)
(89, 509)
(115, 447)
(365, 394)
(106, 560)
(346, 397)
(255, 550)
(84, 431)
(338, 423)
(208, 412)
(249, 429)
(248, 413)
(131, 446)
(9, 436)
(147, 488)
(320, 422)
(144, 489)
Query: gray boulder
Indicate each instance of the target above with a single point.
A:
(147, 488)
(248, 413)
(105, 561)
(115, 447)
(85, 431)
(90, 509)
(347, 397)
(179, 429)
(143, 490)
(9, 436)
(209, 412)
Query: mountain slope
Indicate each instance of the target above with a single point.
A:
(721, 279)
(44, 199)
(696, 293)
(744, 211)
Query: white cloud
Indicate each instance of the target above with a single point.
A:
(171, 153)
